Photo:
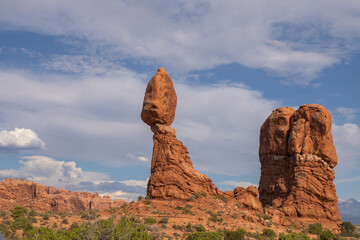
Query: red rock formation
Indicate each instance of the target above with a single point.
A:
(18, 192)
(297, 158)
(172, 172)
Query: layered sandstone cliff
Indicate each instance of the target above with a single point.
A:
(32, 195)
(297, 158)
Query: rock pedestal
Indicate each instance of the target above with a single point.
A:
(172, 172)
(297, 158)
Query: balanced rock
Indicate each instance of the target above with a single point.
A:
(297, 158)
(172, 172)
(160, 100)
(32, 195)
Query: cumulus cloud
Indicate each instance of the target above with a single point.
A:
(295, 40)
(93, 118)
(49, 171)
(19, 139)
(66, 174)
(347, 143)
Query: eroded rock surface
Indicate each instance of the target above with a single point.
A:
(172, 172)
(32, 195)
(297, 158)
(160, 100)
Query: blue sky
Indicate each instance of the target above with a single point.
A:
(73, 77)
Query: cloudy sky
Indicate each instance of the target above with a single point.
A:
(73, 76)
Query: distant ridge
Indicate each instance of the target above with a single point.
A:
(350, 211)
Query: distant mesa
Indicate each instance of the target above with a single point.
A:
(32, 195)
(297, 158)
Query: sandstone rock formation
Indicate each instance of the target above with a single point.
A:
(172, 172)
(297, 158)
(32, 195)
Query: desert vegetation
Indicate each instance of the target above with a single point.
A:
(20, 223)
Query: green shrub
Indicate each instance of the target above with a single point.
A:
(269, 233)
(328, 235)
(18, 212)
(199, 228)
(3, 214)
(65, 221)
(164, 220)
(32, 213)
(140, 198)
(315, 228)
(294, 236)
(46, 216)
(89, 215)
(347, 229)
(204, 236)
(150, 221)
(203, 194)
(191, 198)
(239, 234)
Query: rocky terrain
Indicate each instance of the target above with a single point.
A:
(296, 152)
(32, 195)
(297, 158)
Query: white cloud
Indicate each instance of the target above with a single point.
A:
(49, 171)
(220, 126)
(20, 139)
(238, 184)
(143, 159)
(97, 118)
(296, 40)
(348, 113)
(121, 195)
(66, 174)
(135, 183)
(347, 144)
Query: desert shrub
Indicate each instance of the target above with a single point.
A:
(217, 197)
(199, 228)
(140, 198)
(188, 228)
(126, 228)
(204, 236)
(46, 216)
(239, 234)
(315, 228)
(203, 194)
(147, 201)
(3, 214)
(347, 229)
(328, 235)
(269, 233)
(65, 221)
(294, 236)
(150, 221)
(32, 213)
(164, 220)
(191, 198)
(18, 212)
(89, 215)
